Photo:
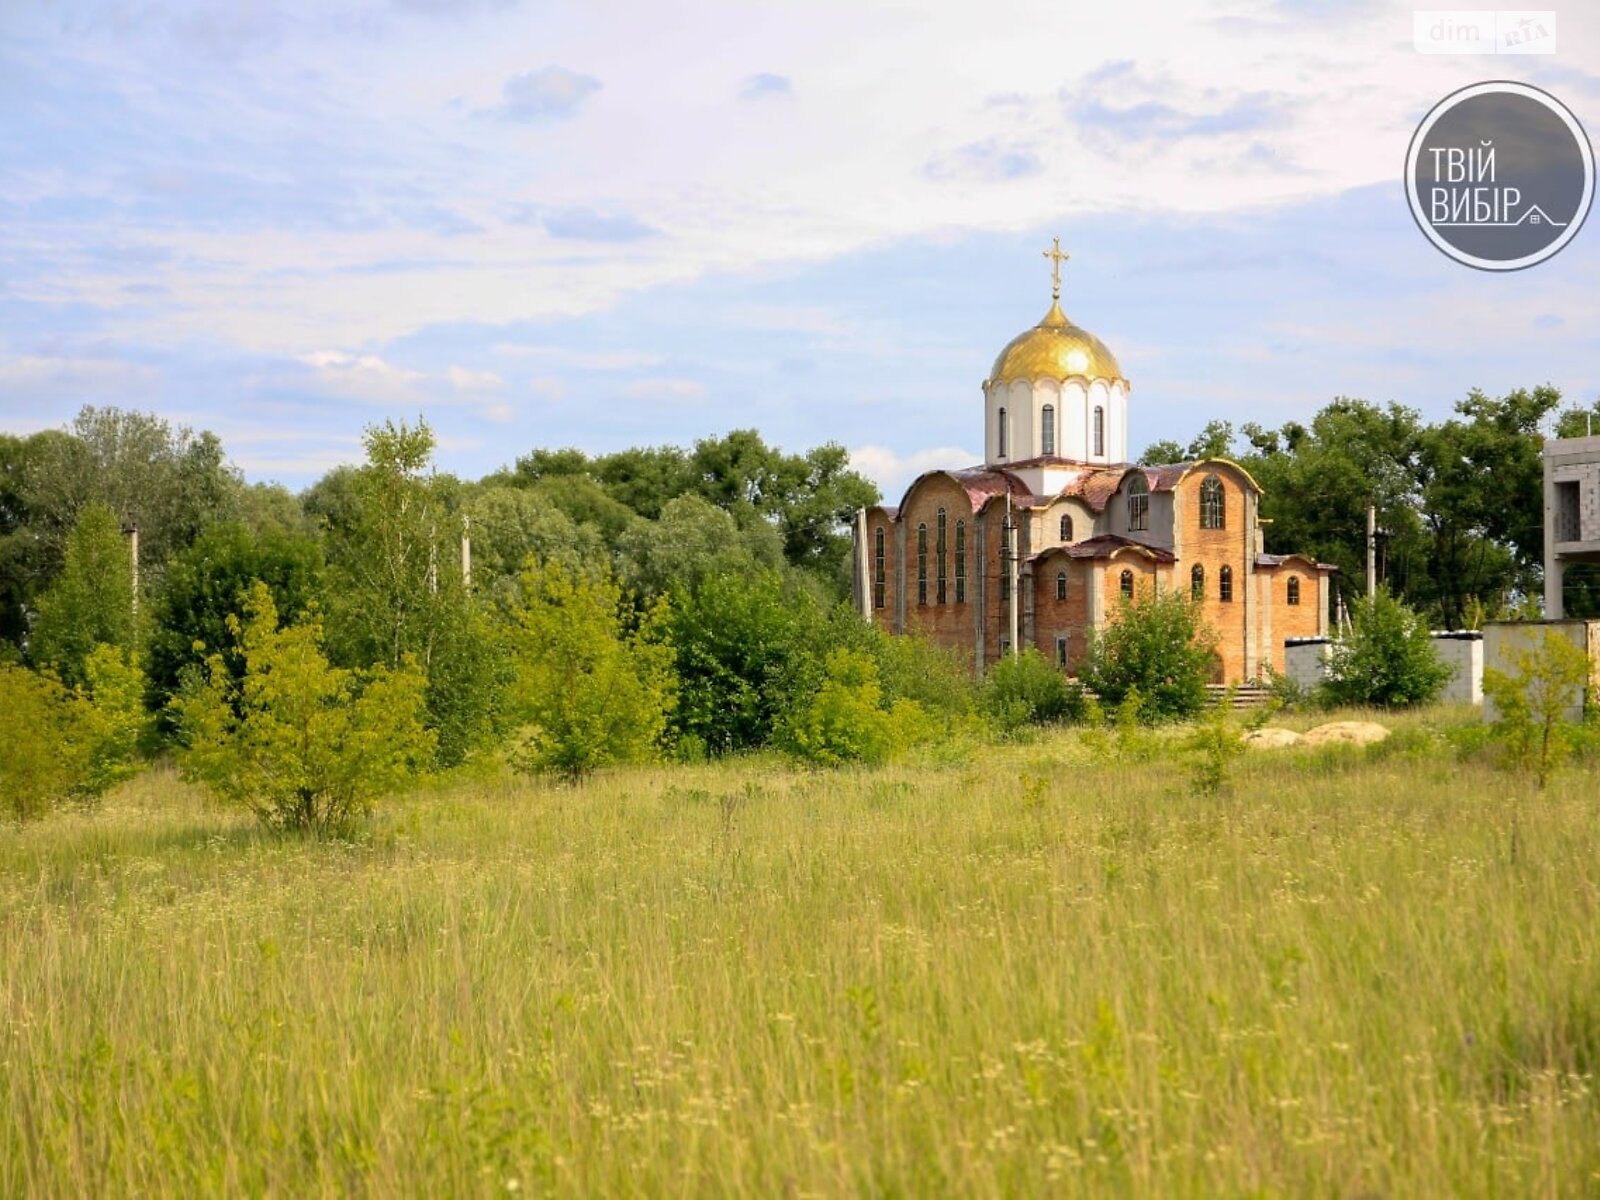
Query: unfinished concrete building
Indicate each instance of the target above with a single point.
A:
(1571, 513)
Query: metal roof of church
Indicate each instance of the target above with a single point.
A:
(1104, 545)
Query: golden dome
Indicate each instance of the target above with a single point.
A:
(1055, 348)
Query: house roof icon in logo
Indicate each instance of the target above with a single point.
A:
(1537, 216)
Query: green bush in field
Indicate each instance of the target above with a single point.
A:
(744, 645)
(1388, 660)
(1532, 700)
(113, 718)
(60, 744)
(43, 756)
(208, 581)
(1156, 646)
(590, 691)
(1025, 689)
(846, 721)
(92, 601)
(304, 745)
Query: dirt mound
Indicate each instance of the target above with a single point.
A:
(1348, 733)
(1271, 738)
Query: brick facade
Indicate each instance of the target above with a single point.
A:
(1189, 515)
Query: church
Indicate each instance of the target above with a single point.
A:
(1039, 544)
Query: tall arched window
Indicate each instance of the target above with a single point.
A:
(877, 568)
(1294, 589)
(1066, 527)
(1061, 585)
(922, 564)
(1212, 509)
(1138, 503)
(961, 562)
(1197, 582)
(939, 554)
(1047, 430)
(1003, 434)
(1127, 584)
(1099, 431)
(1225, 585)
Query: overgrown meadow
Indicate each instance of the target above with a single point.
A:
(1044, 967)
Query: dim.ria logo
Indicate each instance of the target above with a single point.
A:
(1500, 175)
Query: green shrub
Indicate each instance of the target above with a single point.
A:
(1156, 645)
(915, 667)
(113, 718)
(744, 646)
(846, 721)
(91, 603)
(1388, 660)
(304, 745)
(41, 724)
(1216, 741)
(60, 744)
(589, 690)
(1025, 689)
(1531, 729)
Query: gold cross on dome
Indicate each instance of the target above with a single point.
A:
(1057, 256)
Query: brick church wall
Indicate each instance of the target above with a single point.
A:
(1214, 549)
(1069, 618)
(1290, 620)
(950, 623)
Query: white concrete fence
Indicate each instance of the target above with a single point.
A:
(1465, 652)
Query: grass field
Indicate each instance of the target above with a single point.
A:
(1032, 970)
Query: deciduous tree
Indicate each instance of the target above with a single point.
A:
(304, 745)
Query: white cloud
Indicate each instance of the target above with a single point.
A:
(665, 389)
(49, 376)
(548, 94)
(548, 386)
(1194, 127)
(578, 359)
(364, 376)
(893, 472)
(465, 380)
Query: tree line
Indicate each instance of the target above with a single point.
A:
(302, 654)
(1460, 502)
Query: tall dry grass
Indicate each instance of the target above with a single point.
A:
(1015, 971)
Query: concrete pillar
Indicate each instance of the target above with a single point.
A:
(861, 562)
(1555, 573)
(1264, 583)
(900, 573)
(978, 581)
(1252, 638)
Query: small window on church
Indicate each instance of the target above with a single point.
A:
(1061, 652)
(1294, 589)
(1197, 582)
(1099, 432)
(1047, 430)
(1003, 434)
(1225, 585)
(1127, 584)
(1212, 509)
(961, 562)
(1066, 527)
(1061, 585)
(939, 554)
(1005, 586)
(922, 564)
(877, 569)
(1138, 503)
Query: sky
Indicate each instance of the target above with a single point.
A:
(608, 224)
